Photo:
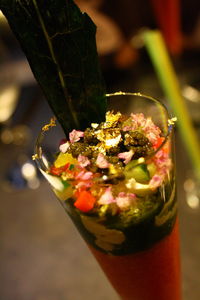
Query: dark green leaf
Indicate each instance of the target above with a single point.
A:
(59, 43)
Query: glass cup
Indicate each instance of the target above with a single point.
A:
(137, 248)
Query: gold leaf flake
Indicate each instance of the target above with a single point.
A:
(113, 141)
(111, 119)
(51, 124)
(34, 157)
(109, 137)
(172, 121)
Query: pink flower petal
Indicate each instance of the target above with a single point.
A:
(85, 184)
(107, 197)
(87, 176)
(156, 181)
(83, 160)
(138, 119)
(152, 131)
(75, 135)
(126, 156)
(125, 200)
(152, 137)
(63, 147)
(147, 126)
(101, 161)
(163, 162)
(84, 175)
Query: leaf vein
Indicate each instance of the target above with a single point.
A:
(64, 32)
(51, 49)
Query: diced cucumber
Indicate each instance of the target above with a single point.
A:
(131, 164)
(152, 169)
(139, 172)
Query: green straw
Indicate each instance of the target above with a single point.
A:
(160, 58)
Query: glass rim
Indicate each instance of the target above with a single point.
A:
(38, 149)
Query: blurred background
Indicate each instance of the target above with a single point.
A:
(42, 255)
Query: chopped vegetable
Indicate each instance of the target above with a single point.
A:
(85, 201)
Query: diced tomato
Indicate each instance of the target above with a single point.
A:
(159, 141)
(85, 201)
(58, 171)
(65, 167)
(78, 192)
(55, 171)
